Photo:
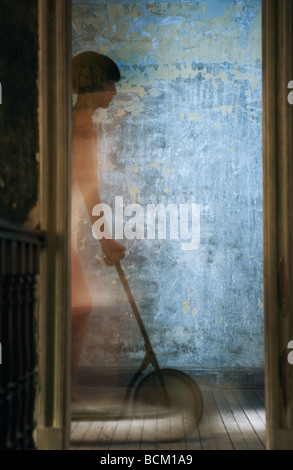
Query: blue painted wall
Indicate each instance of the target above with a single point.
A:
(185, 127)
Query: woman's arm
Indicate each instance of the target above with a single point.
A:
(84, 171)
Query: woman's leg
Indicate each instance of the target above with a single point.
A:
(81, 305)
(78, 331)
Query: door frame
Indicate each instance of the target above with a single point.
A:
(53, 406)
(54, 317)
(277, 47)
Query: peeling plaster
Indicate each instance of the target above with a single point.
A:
(186, 125)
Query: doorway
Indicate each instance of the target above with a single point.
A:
(184, 72)
(276, 122)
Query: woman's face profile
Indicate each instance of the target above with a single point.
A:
(102, 98)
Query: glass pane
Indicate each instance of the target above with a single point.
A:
(167, 136)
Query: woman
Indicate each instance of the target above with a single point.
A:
(93, 76)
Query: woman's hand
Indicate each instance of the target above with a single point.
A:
(113, 251)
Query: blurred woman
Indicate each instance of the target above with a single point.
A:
(93, 77)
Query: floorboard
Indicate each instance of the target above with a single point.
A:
(249, 435)
(232, 419)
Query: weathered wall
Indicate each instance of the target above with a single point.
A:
(19, 109)
(184, 127)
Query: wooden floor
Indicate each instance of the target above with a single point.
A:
(232, 419)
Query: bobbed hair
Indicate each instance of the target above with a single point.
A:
(91, 71)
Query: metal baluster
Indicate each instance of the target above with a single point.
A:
(19, 266)
(30, 343)
(4, 342)
(22, 349)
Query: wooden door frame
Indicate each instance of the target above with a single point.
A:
(277, 46)
(53, 403)
(53, 407)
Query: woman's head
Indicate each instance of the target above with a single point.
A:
(92, 72)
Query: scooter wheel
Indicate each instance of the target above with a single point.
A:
(182, 391)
